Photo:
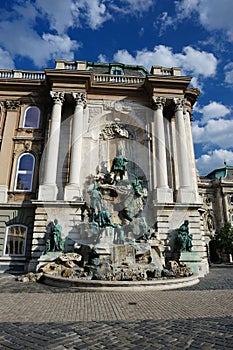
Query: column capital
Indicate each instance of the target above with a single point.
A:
(179, 103)
(80, 98)
(12, 104)
(158, 102)
(58, 97)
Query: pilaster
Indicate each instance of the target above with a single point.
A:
(11, 107)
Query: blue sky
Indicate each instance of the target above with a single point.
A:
(196, 35)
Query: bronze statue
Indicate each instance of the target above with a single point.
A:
(119, 165)
(184, 238)
(56, 234)
(95, 202)
(54, 243)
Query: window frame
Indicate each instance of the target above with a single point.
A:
(24, 172)
(25, 115)
(231, 199)
(6, 238)
(115, 69)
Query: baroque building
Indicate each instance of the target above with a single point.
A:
(60, 130)
(216, 191)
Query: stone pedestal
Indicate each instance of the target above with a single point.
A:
(186, 195)
(3, 193)
(163, 195)
(48, 192)
(72, 192)
(193, 260)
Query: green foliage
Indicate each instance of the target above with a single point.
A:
(225, 238)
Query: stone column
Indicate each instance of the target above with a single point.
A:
(162, 193)
(73, 189)
(191, 155)
(185, 193)
(48, 190)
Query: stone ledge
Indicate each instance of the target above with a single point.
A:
(109, 286)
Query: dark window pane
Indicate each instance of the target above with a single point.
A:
(26, 162)
(117, 72)
(24, 182)
(32, 117)
(16, 237)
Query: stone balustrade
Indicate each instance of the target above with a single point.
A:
(124, 79)
(16, 74)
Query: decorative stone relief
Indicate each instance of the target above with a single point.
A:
(57, 96)
(12, 104)
(158, 102)
(80, 98)
(114, 129)
(208, 220)
(117, 106)
(180, 104)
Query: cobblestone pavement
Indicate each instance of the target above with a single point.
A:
(34, 316)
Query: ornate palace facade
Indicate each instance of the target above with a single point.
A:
(61, 128)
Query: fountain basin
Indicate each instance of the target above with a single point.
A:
(110, 286)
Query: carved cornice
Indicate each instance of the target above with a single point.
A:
(158, 102)
(80, 98)
(58, 97)
(12, 104)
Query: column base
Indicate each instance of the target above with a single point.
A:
(47, 192)
(186, 195)
(163, 195)
(72, 193)
(3, 193)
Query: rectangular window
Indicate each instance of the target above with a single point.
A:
(15, 240)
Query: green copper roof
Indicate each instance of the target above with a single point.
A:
(220, 172)
(105, 68)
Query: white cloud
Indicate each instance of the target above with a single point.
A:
(138, 5)
(58, 13)
(215, 132)
(214, 110)
(130, 7)
(212, 14)
(29, 43)
(6, 61)
(102, 58)
(191, 60)
(212, 160)
(198, 62)
(229, 73)
(196, 83)
(60, 46)
(94, 13)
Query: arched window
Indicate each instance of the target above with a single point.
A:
(24, 173)
(15, 240)
(31, 117)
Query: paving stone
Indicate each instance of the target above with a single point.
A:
(34, 316)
